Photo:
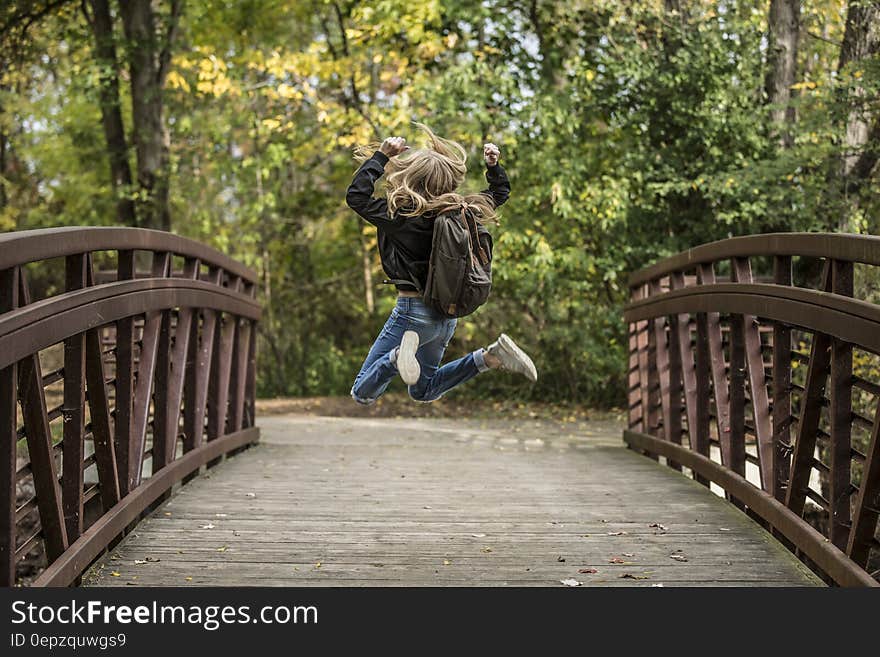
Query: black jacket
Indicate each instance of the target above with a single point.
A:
(405, 242)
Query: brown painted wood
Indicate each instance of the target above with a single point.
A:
(251, 385)
(867, 507)
(757, 380)
(810, 415)
(73, 411)
(99, 412)
(199, 372)
(737, 391)
(643, 345)
(9, 286)
(124, 394)
(171, 372)
(701, 370)
(242, 346)
(218, 388)
(720, 388)
(661, 360)
(688, 371)
(782, 419)
(39, 441)
(145, 374)
(634, 398)
(840, 412)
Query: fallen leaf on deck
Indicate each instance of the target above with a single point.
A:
(658, 586)
(724, 529)
(657, 525)
(486, 549)
(114, 574)
(318, 565)
(250, 494)
(616, 560)
(678, 557)
(446, 562)
(188, 579)
(210, 525)
(478, 535)
(588, 571)
(223, 549)
(616, 533)
(560, 559)
(631, 576)
(569, 582)
(628, 554)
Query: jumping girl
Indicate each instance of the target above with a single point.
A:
(421, 184)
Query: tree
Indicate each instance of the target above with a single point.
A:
(149, 57)
(101, 22)
(782, 51)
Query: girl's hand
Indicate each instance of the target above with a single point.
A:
(491, 153)
(393, 146)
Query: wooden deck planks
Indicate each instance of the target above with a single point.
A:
(406, 502)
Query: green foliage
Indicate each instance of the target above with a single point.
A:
(629, 133)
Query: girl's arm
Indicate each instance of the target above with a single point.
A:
(496, 176)
(359, 196)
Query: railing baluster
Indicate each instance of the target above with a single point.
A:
(757, 380)
(124, 383)
(634, 390)
(688, 372)
(8, 439)
(218, 390)
(251, 385)
(718, 370)
(642, 345)
(199, 372)
(810, 414)
(172, 369)
(661, 350)
(737, 378)
(781, 389)
(701, 370)
(39, 442)
(146, 370)
(868, 502)
(840, 480)
(242, 345)
(99, 412)
(74, 411)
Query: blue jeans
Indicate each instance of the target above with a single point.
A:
(435, 332)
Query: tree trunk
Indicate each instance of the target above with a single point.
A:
(782, 51)
(861, 40)
(150, 133)
(111, 112)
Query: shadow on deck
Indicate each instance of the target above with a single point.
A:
(362, 502)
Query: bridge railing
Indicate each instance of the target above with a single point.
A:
(753, 366)
(127, 382)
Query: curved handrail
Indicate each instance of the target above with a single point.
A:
(22, 247)
(47, 322)
(726, 390)
(844, 318)
(863, 249)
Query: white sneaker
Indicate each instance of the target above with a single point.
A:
(512, 357)
(407, 365)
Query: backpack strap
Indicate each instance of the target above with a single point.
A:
(471, 224)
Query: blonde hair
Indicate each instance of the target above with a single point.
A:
(422, 180)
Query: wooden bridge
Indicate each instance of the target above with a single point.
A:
(131, 453)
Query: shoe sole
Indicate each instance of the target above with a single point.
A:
(407, 365)
(507, 343)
